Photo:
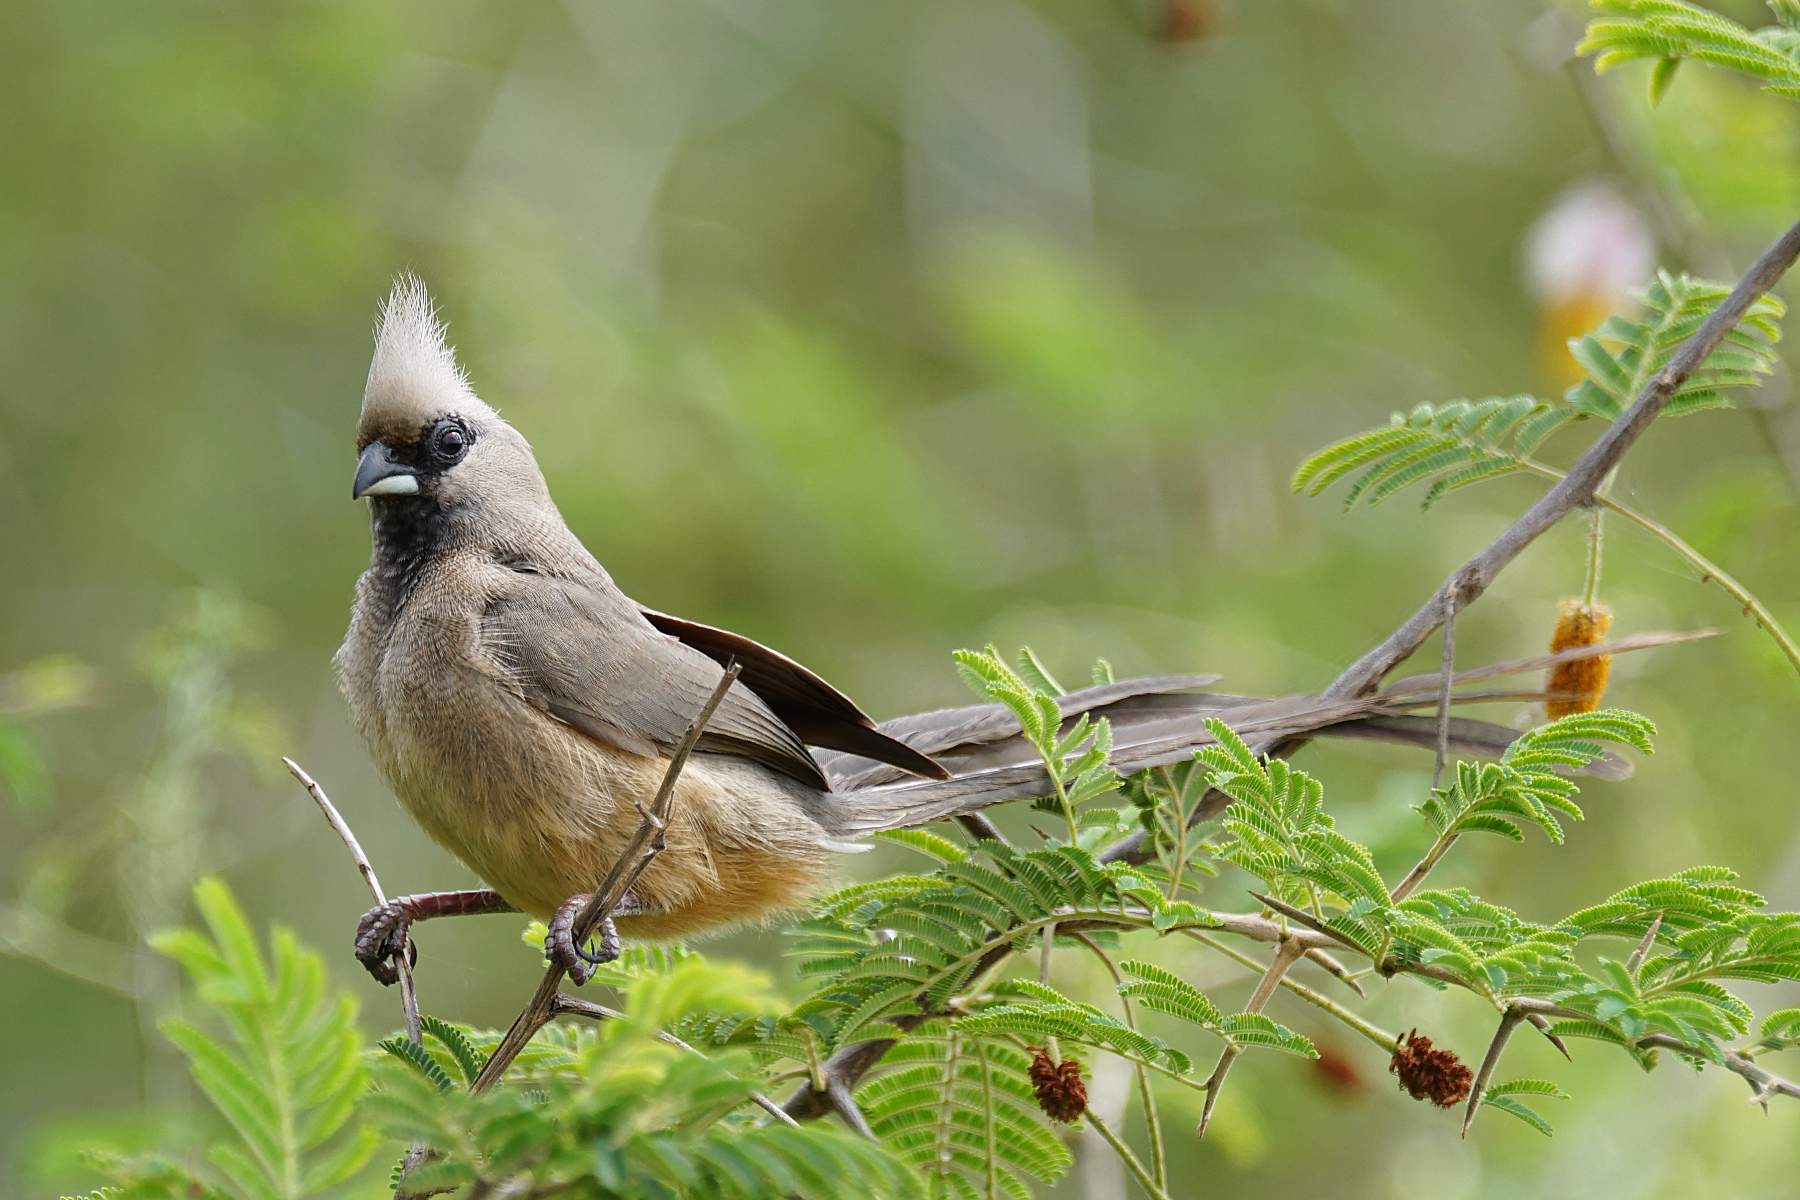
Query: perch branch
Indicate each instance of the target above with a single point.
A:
(1464, 587)
(409, 996)
(639, 853)
(1577, 488)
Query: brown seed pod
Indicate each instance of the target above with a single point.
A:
(1185, 21)
(1435, 1075)
(1583, 681)
(1060, 1092)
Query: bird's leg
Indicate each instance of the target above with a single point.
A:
(382, 932)
(579, 961)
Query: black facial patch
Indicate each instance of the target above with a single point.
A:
(442, 444)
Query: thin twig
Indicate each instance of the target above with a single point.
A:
(409, 996)
(575, 1006)
(1152, 1119)
(409, 1000)
(643, 848)
(1374, 1033)
(1448, 675)
(1126, 1156)
(1509, 1021)
(1287, 953)
(1336, 970)
(1579, 485)
(1643, 947)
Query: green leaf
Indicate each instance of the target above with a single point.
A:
(456, 1042)
(939, 848)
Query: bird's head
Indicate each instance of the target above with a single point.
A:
(424, 435)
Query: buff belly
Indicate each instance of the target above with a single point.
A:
(739, 848)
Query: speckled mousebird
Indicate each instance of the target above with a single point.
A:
(521, 706)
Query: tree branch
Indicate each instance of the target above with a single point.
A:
(1579, 485)
(639, 853)
(1463, 588)
(409, 998)
(1287, 953)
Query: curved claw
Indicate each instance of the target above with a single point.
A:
(380, 935)
(578, 961)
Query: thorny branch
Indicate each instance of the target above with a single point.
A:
(840, 1073)
(1287, 952)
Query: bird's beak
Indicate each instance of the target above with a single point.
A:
(377, 474)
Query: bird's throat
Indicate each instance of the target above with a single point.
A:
(408, 533)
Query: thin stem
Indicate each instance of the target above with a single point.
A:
(1127, 1157)
(409, 995)
(1423, 867)
(1449, 680)
(1579, 485)
(1287, 953)
(1596, 537)
(1509, 1021)
(1152, 1119)
(1374, 1033)
(409, 999)
(1710, 572)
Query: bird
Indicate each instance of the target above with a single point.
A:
(523, 708)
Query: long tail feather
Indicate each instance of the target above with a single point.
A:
(1159, 721)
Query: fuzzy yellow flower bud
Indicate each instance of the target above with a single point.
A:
(1576, 687)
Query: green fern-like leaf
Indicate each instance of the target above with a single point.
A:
(456, 1043)
(1668, 31)
(1622, 356)
(1455, 445)
(1505, 1097)
(287, 1074)
(420, 1060)
(960, 1108)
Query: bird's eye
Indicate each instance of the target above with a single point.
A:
(449, 443)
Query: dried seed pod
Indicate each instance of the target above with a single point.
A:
(1185, 21)
(1060, 1092)
(1435, 1075)
(1583, 681)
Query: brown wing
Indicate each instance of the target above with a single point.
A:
(582, 652)
(817, 712)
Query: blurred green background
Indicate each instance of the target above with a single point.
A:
(870, 330)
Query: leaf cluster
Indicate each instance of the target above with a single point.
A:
(1466, 442)
(1670, 31)
(619, 1112)
(285, 1072)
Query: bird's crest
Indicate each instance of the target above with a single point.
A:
(414, 377)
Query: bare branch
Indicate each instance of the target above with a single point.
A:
(409, 996)
(1579, 485)
(1509, 1021)
(639, 853)
(1287, 954)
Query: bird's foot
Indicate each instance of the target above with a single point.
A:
(382, 934)
(580, 961)
(383, 931)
